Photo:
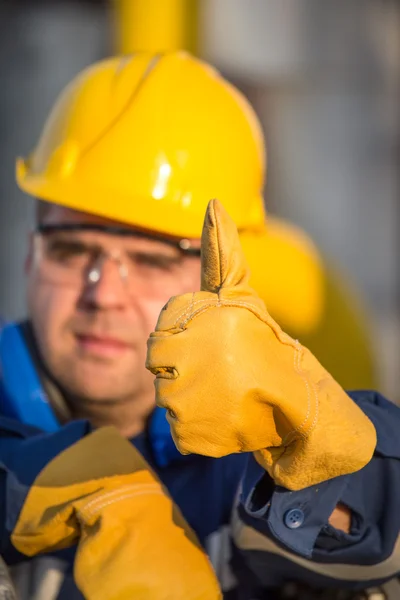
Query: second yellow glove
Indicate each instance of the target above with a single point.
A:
(133, 542)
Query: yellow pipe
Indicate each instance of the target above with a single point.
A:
(155, 25)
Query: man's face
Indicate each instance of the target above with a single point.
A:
(94, 298)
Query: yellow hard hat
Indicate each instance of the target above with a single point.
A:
(148, 140)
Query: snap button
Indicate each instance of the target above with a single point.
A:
(294, 518)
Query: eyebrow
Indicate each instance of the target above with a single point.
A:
(96, 248)
(157, 256)
(118, 230)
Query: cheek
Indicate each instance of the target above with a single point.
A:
(50, 308)
(194, 277)
(150, 310)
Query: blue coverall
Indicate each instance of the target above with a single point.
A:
(264, 534)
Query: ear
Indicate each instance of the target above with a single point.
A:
(222, 259)
(29, 255)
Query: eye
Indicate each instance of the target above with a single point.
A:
(65, 250)
(155, 261)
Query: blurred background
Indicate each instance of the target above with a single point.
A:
(323, 76)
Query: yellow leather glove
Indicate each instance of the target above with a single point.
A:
(233, 381)
(132, 540)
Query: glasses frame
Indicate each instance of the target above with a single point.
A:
(94, 274)
(183, 245)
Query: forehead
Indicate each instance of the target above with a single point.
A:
(60, 215)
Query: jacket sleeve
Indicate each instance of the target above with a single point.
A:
(24, 452)
(286, 535)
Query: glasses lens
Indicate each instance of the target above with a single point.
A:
(67, 259)
(63, 260)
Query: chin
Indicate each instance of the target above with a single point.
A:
(110, 368)
(98, 393)
(98, 382)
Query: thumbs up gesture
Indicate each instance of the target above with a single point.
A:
(233, 381)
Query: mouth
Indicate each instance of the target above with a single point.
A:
(101, 346)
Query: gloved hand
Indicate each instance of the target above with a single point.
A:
(132, 540)
(233, 381)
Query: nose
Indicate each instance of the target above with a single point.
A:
(105, 287)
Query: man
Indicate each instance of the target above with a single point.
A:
(118, 234)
